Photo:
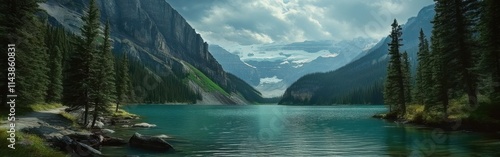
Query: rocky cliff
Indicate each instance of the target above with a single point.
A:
(150, 31)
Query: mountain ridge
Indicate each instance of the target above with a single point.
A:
(368, 72)
(286, 63)
(156, 35)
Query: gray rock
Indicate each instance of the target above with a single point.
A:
(149, 143)
(114, 141)
(107, 131)
(144, 125)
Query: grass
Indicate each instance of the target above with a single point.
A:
(68, 116)
(206, 83)
(458, 109)
(27, 145)
(414, 113)
(121, 113)
(42, 107)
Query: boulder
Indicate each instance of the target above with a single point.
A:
(113, 141)
(98, 124)
(149, 143)
(79, 136)
(107, 131)
(144, 125)
(75, 148)
(119, 121)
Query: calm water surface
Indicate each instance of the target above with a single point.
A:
(274, 130)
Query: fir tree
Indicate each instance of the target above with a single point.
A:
(423, 76)
(55, 89)
(123, 83)
(455, 25)
(394, 91)
(78, 85)
(103, 77)
(20, 26)
(490, 37)
(406, 76)
(440, 73)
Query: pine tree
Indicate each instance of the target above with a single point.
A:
(423, 76)
(394, 91)
(441, 75)
(103, 76)
(490, 37)
(455, 25)
(54, 92)
(78, 83)
(123, 83)
(406, 77)
(19, 25)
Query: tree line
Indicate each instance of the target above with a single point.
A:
(54, 66)
(462, 59)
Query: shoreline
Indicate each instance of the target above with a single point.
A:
(450, 125)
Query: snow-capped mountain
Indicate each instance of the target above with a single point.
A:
(271, 68)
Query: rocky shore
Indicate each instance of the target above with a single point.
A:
(73, 138)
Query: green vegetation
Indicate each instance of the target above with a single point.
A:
(248, 92)
(20, 26)
(73, 119)
(156, 86)
(27, 145)
(122, 114)
(449, 86)
(201, 79)
(423, 77)
(123, 83)
(43, 107)
(395, 90)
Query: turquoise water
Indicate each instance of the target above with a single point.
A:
(274, 130)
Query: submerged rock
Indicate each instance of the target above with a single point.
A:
(144, 125)
(149, 143)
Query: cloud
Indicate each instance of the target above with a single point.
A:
(270, 80)
(242, 22)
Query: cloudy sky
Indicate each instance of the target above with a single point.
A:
(249, 22)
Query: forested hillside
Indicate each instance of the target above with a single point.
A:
(361, 81)
(84, 54)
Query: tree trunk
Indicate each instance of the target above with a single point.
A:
(95, 115)
(86, 115)
(117, 104)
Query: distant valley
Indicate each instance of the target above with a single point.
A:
(271, 68)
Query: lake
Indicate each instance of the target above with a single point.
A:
(275, 130)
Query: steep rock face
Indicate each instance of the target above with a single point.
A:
(155, 24)
(151, 31)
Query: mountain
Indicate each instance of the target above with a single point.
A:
(158, 37)
(363, 76)
(271, 68)
(232, 64)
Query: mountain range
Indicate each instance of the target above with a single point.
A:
(271, 68)
(158, 37)
(362, 76)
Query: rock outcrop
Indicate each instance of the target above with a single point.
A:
(149, 143)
